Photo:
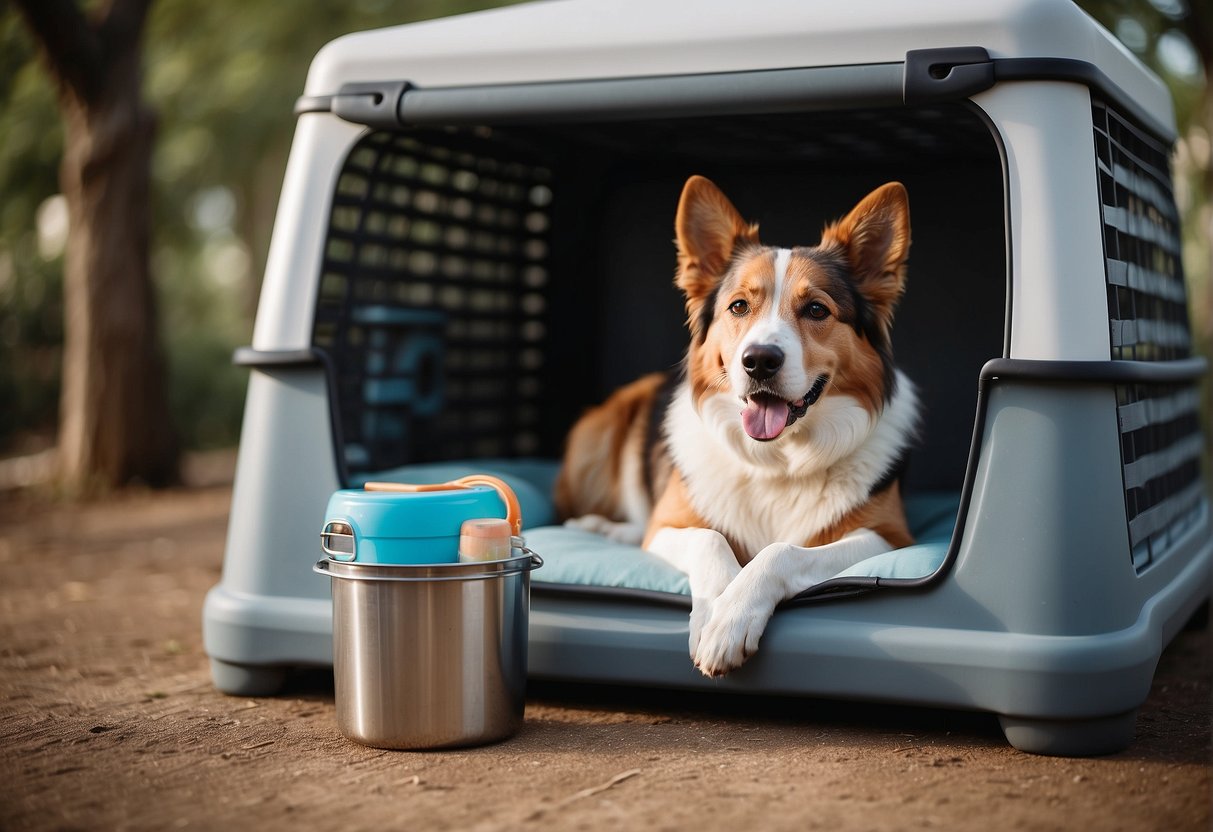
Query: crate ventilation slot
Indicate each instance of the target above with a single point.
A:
(1161, 438)
(432, 299)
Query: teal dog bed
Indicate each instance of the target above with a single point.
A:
(583, 560)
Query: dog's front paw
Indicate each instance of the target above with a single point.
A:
(730, 636)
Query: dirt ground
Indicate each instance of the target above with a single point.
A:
(108, 721)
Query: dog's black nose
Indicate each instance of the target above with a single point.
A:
(761, 361)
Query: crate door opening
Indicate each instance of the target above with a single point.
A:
(534, 265)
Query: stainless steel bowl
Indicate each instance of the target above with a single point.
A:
(430, 656)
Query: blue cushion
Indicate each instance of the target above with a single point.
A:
(577, 557)
(915, 561)
(573, 556)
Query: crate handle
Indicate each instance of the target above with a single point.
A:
(512, 506)
(338, 540)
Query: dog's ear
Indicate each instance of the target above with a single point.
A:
(708, 230)
(876, 236)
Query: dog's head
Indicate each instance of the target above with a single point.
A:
(776, 329)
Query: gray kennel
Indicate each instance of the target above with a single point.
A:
(473, 244)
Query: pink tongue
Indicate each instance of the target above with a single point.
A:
(764, 417)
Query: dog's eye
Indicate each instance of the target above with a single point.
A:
(818, 311)
(739, 307)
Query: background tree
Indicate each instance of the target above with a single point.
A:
(114, 424)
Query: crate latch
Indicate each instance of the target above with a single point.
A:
(373, 103)
(946, 74)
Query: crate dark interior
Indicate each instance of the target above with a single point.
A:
(1161, 437)
(483, 286)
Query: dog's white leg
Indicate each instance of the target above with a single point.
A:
(779, 571)
(630, 533)
(709, 564)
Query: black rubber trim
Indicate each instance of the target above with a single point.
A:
(928, 76)
(375, 103)
(946, 74)
(1097, 372)
(791, 90)
(385, 105)
(605, 593)
(372, 103)
(275, 359)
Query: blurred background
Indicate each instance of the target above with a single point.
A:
(220, 78)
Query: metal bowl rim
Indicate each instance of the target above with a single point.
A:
(420, 572)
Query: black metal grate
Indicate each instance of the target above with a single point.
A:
(1161, 437)
(431, 305)
(1161, 446)
(1147, 301)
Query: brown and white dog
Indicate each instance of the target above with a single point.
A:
(771, 463)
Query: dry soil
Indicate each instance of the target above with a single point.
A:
(108, 721)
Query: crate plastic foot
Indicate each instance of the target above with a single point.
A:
(1071, 737)
(247, 679)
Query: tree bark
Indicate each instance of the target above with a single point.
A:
(114, 425)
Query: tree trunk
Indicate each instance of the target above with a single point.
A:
(114, 425)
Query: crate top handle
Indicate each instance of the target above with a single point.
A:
(551, 48)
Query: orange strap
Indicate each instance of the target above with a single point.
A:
(512, 507)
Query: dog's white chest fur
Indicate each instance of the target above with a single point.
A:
(757, 493)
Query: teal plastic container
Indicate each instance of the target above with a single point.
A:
(386, 527)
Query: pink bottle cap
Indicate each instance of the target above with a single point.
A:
(484, 538)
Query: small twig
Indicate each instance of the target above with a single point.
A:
(584, 793)
(256, 745)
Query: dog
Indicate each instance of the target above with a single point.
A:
(771, 461)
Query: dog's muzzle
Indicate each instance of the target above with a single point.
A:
(766, 415)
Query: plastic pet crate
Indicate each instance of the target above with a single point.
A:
(473, 245)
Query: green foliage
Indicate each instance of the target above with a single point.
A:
(1157, 32)
(31, 307)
